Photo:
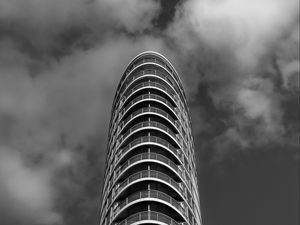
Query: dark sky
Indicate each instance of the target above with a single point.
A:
(61, 61)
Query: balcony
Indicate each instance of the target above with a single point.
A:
(150, 125)
(154, 97)
(149, 217)
(151, 84)
(147, 72)
(151, 140)
(148, 111)
(148, 175)
(149, 156)
(153, 61)
(149, 195)
(140, 158)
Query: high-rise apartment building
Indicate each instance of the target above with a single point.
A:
(150, 175)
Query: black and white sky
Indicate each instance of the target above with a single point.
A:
(61, 61)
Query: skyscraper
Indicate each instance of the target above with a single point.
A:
(150, 175)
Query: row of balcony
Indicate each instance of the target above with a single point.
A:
(150, 124)
(145, 175)
(150, 109)
(152, 156)
(142, 98)
(157, 111)
(142, 157)
(146, 73)
(147, 140)
(153, 61)
(157, 73)
(138, 99)
(178, 169)
(149, 216)
(157, 157)
(150, 195)
(150, 174)
(154, 110)
(148, 84)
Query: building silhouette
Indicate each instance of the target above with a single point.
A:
(150, 175)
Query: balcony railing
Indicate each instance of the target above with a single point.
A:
(149, 215)
(158, 85)
(155, 61)
(152, 139)
(149, 139)
(149, 155)
(150, 124)
(152, 156)
(138, 99)
(154, 194)
(149, 96)
(134, 76)
(166, 90)
(150, 109)
(148, 174)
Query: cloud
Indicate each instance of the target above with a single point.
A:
(58, 119)
(245, 56)
(25, 191)
(61, 61)
(259, 101)
(248, 28)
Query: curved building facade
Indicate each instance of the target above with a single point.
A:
(150, 175)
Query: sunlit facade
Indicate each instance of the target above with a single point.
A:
(150, 175)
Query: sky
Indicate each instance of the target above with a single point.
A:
(61, 61)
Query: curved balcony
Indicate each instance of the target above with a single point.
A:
(140, 158)
(155, 157)
(158, 158)
(145, 73)
(144, 85)
(156, 62)
(153, 97)
(153, 85)
(137, 100)
(143, 98)
(146, 140)
(145, 175)
(149, 157)
(150, 140)
(150, 125)
(149, 195)
(160, 127)
(148, 217)
(148, 111)
(154, 111)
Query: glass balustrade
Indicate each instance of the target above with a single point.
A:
(146, 124)
(148, 174)
(156, 61)
(149, 155)
(149, 215)
(154, 194)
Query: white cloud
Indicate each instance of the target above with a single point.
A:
(258, 101)
(44, 119)
(25, 191)
(248, 28)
